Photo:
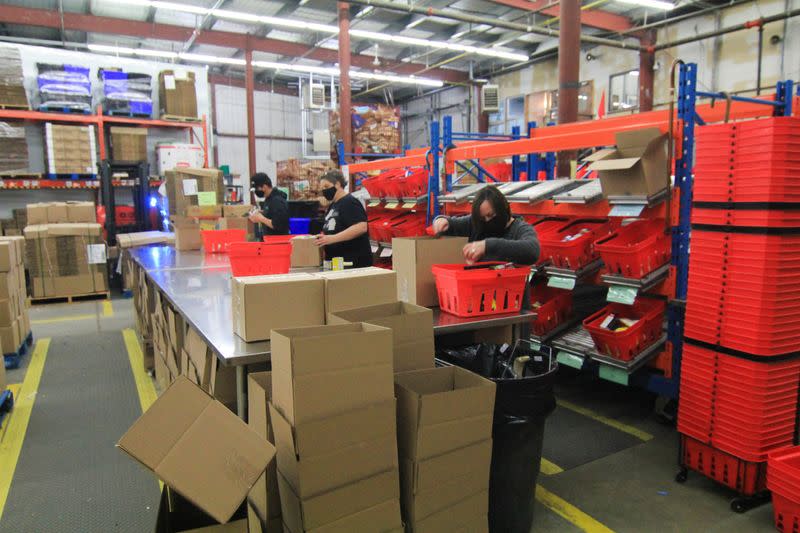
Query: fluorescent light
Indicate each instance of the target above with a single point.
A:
(415, 22)
(203, 58)
(634, 73)
(655, 4)
(307, 69)
(184, 8)
(364, 12)
(427, 43)
(355, 74)
(459, 34)
(102, 48)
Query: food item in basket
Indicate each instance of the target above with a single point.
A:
(574, 236)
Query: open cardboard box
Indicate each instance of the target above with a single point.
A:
(412, 331)
(176, 514)
(637, 167)
(199, 448)
(412, 258)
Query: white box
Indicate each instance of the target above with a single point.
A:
(176, 155)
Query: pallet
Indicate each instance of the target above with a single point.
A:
(71, 176)
(68, 110)
(127, 294)
(20, 176)
(178, 118)
(19, 107)
(6, 403)
(102, 295)
(12, 359)
(128, 114)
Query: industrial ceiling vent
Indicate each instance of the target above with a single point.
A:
(490, 98)
(315, 98)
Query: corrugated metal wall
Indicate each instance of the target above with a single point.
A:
(416, 115)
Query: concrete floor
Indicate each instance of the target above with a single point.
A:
(618, 460)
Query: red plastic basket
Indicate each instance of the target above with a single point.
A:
(635, 250)
(745, 477)
(278, 239)
(755, 217)
(626, 345)
(258, 258)
(217, 241)
(579, 251)
(468, 291)
(554, 309)
(416, 184)
(786, 510)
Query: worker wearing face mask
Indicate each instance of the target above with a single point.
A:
(273, 216)
(494, 234)
(344, 232)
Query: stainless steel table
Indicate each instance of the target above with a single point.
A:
(444, 323)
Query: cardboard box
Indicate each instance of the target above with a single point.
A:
(142, 238)
(37, 213)
(199, 448)
(311, 513)
(236, 223)
(8, 256)
(264, 303)
(8, 285)
(468, 515)
(198, 359)
(320, 455)
(383, 517)
(305, 252)
(177, 514)
(412, 331)
(129, 144)
(57, 213)
(312, 366)
(442, 409)
(637, 167)
(81, 212)
(451, 491)
(264, 497)
(8, 312)
(240, 210)
(359, 287)
(176, 93)
(9, 337)
(412, 258)
(427, 474)
(183, 184)
(204, 211)
(187, 233)
(178, 155)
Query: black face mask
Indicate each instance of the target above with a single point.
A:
(496, 227)
(259, 194)
(329, 193)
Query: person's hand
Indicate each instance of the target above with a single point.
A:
(257, 218)
(440, 225)
(324, 240)
(474, 251)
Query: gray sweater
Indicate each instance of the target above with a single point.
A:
(518, 245)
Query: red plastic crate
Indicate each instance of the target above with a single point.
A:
(756, 218)
(278, 239)
(466, 292)
(258, 258)
(745, 477)
(626, 345)
(637, 249)
(786, 510)
(411, 226)
(416, 184)
(580, 251)
(555, 308)
(217, 241)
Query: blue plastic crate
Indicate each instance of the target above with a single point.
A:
(299, 226)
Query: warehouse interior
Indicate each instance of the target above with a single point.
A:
(399, 265)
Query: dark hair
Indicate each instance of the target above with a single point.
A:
(260, 179)
(497, 200)
(334, 177)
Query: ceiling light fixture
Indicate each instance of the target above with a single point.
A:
(416, 22)
(364, 12)
(107, 49)
(655, 4)
(356, 74)
(327, 28)
(203, 58)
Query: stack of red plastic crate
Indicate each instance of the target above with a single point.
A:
(783, 479)
(740, 372)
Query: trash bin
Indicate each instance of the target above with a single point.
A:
(522, 404)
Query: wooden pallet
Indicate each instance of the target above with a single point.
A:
(20, 176)
(102, 295)
(178, 118)
(21, 107)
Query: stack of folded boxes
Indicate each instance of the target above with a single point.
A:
(14, 322)
(444, 419)
(337, 453)
(12, 88)
(70, 149)
(13, 148)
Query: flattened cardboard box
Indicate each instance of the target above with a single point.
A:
(358, 287)
(199, 448)
(412, 331)
(9, 337)
(412, 258)
(318, 456)
(264, 303)
(311, 367)
(310, 513)
(442, 409)
(264, 497)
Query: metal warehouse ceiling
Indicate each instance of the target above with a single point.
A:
(62, 18)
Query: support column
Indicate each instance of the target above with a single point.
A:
(249, 87)
(569, 54)
(647, 60)
(483, 117)
(345, 120)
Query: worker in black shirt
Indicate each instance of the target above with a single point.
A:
(344, 232)
(273, 217)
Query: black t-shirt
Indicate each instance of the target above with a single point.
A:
(276, 209)
(342, 214)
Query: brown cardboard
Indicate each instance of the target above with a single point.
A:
(204, 211)
(638, 167)
(37, 213)
(449, 492)
(441, 409)
(129, 144)
(318, 456)
(8, 285)
(9, 337)
(236, 211)
(199, 448)
(177, 515)
(3, 382)
(57, 213)
(310, 513)
(383, 517)
(187, 233)
(8, 255)
(21, 332)
(412, 331)
(359, 287)
(130, 240)
(8, 312)
(305, 252)
(264, 303)
(425, 475)
(412, 258)
(469, 514)
(264, 496)
(205, 179)
(199, 357)
(312, 367)
(81, 212)
(176, 93)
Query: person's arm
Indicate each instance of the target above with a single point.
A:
(279, 215)
(457, 226)
(522, 250)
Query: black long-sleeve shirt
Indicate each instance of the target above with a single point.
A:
(276, 208)
(519, 244)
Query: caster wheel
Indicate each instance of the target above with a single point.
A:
(739, 506)
(681, 477)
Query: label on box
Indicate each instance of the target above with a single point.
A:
(206, 198)
(96, 253)
(570, 360)
(391, 205)
(190, 187)
(181, 74)
(386, 252)
(561, 283)
(622, 295)
(169, 82)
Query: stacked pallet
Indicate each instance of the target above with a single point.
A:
(13, 148)
(14, 322)
(12, 88)
(126, 93)
(740, 371)
(70, 150)
(64, 88)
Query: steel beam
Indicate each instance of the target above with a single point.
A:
(647, 60)
(594, 18)
(251, 113)
(345, 107)
(569, 52)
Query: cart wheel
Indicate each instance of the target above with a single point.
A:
(681, 476)
(740, 505)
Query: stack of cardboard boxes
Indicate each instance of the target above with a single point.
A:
(13, 148)
(70, 149)
(14, 322)
(65, 259)
(264, 498)
(176, 93)
(127, 241)
(60, 212)
(12, 88)
(129, 144)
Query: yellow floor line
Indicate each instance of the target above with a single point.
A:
(144, 385)
(108, 309)
(549, 469)
(569, 512)
(11, 445)
(14, 388)
(616, 424)
(64, 319)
